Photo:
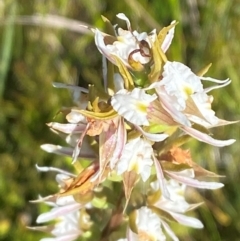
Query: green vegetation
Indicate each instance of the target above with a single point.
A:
(34, 54)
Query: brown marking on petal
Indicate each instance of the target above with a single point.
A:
(83, 183)
(134, 64)
(144, 48)
(67, 184)
(133, 52)
(85, 175)
(109, 40)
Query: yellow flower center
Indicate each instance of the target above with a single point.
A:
(187, 91)
(142, 107)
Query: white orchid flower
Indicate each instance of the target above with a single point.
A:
(136, 156)
(133, 105)
(65, 210)
(182, 95)
(133, 48)
(149, 225)
(176, 205)
(126, 132)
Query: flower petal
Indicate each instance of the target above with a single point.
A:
(187, 221)
(206, 138)
(67, 128)
(161, 178)
(57, 149)
(193, 182)
(57, 212)
(215, 80)
(137, 156)
(151, 136)
(169, 231)
(53, 169)
(217, 86)
(133, 105)
(166, 103)
(168, 39)
(99, 41)
(123, 17)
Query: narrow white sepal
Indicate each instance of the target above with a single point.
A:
(193, 182)
(214, 80)
(168, 39)
(216, 86)
(151, 136)
(50, 148)
(57, 212)
(161, 178)
(123, 17)
(53, 169)
(187, 221)
(206, 138)
(70, 87)
(169, 231)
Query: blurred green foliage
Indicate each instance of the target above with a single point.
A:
(33, 55)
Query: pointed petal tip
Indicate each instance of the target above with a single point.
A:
(50, 148)
(42, 169)
(41, 228)
(36, 201)
(207, 138)
(189, 181)
(45, 147)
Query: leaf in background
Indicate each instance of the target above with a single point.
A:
(6, 48)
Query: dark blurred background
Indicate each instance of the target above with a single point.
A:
(36, 52)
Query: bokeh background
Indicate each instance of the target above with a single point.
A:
(36, 51)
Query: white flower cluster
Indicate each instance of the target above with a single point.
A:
(128, 138)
